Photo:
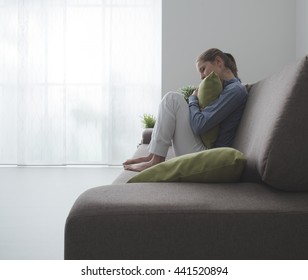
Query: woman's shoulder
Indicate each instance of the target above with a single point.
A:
(235, 85)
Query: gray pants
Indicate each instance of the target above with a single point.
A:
(173, 127)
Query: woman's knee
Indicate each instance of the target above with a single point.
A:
(173, 94)
(173, 97)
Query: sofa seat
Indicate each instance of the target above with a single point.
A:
(188, 221)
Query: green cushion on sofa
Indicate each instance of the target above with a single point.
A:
(209, 90)
(217, 165)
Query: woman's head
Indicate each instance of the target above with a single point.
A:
(217, 61)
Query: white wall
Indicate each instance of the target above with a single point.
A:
(301, 28)
(259, 33)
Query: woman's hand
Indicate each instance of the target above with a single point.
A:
(195, 93)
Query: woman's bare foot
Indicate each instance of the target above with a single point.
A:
(138, 160)
(138, 167)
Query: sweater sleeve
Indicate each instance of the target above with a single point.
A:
(228, 101)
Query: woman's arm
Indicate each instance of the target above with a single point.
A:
(231, 98)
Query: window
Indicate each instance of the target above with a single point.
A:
(75, 78)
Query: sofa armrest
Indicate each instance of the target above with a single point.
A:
(146, 136)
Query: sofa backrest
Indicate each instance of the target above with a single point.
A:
(273, 133)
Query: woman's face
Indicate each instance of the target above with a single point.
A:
(205, 68)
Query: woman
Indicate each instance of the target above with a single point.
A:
(182, 125)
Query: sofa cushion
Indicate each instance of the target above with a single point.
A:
(273, 133)
(209, 90)
(187, 221)
(213, 166)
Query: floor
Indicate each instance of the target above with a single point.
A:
(34, 204)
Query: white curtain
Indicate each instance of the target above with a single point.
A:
(75, 78)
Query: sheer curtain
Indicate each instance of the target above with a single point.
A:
(75, 78)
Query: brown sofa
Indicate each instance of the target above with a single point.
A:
(264, 216)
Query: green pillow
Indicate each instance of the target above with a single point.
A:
(209, 90)
(217, 165)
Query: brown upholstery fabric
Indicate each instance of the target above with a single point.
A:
(273, 133)
(188, 221)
